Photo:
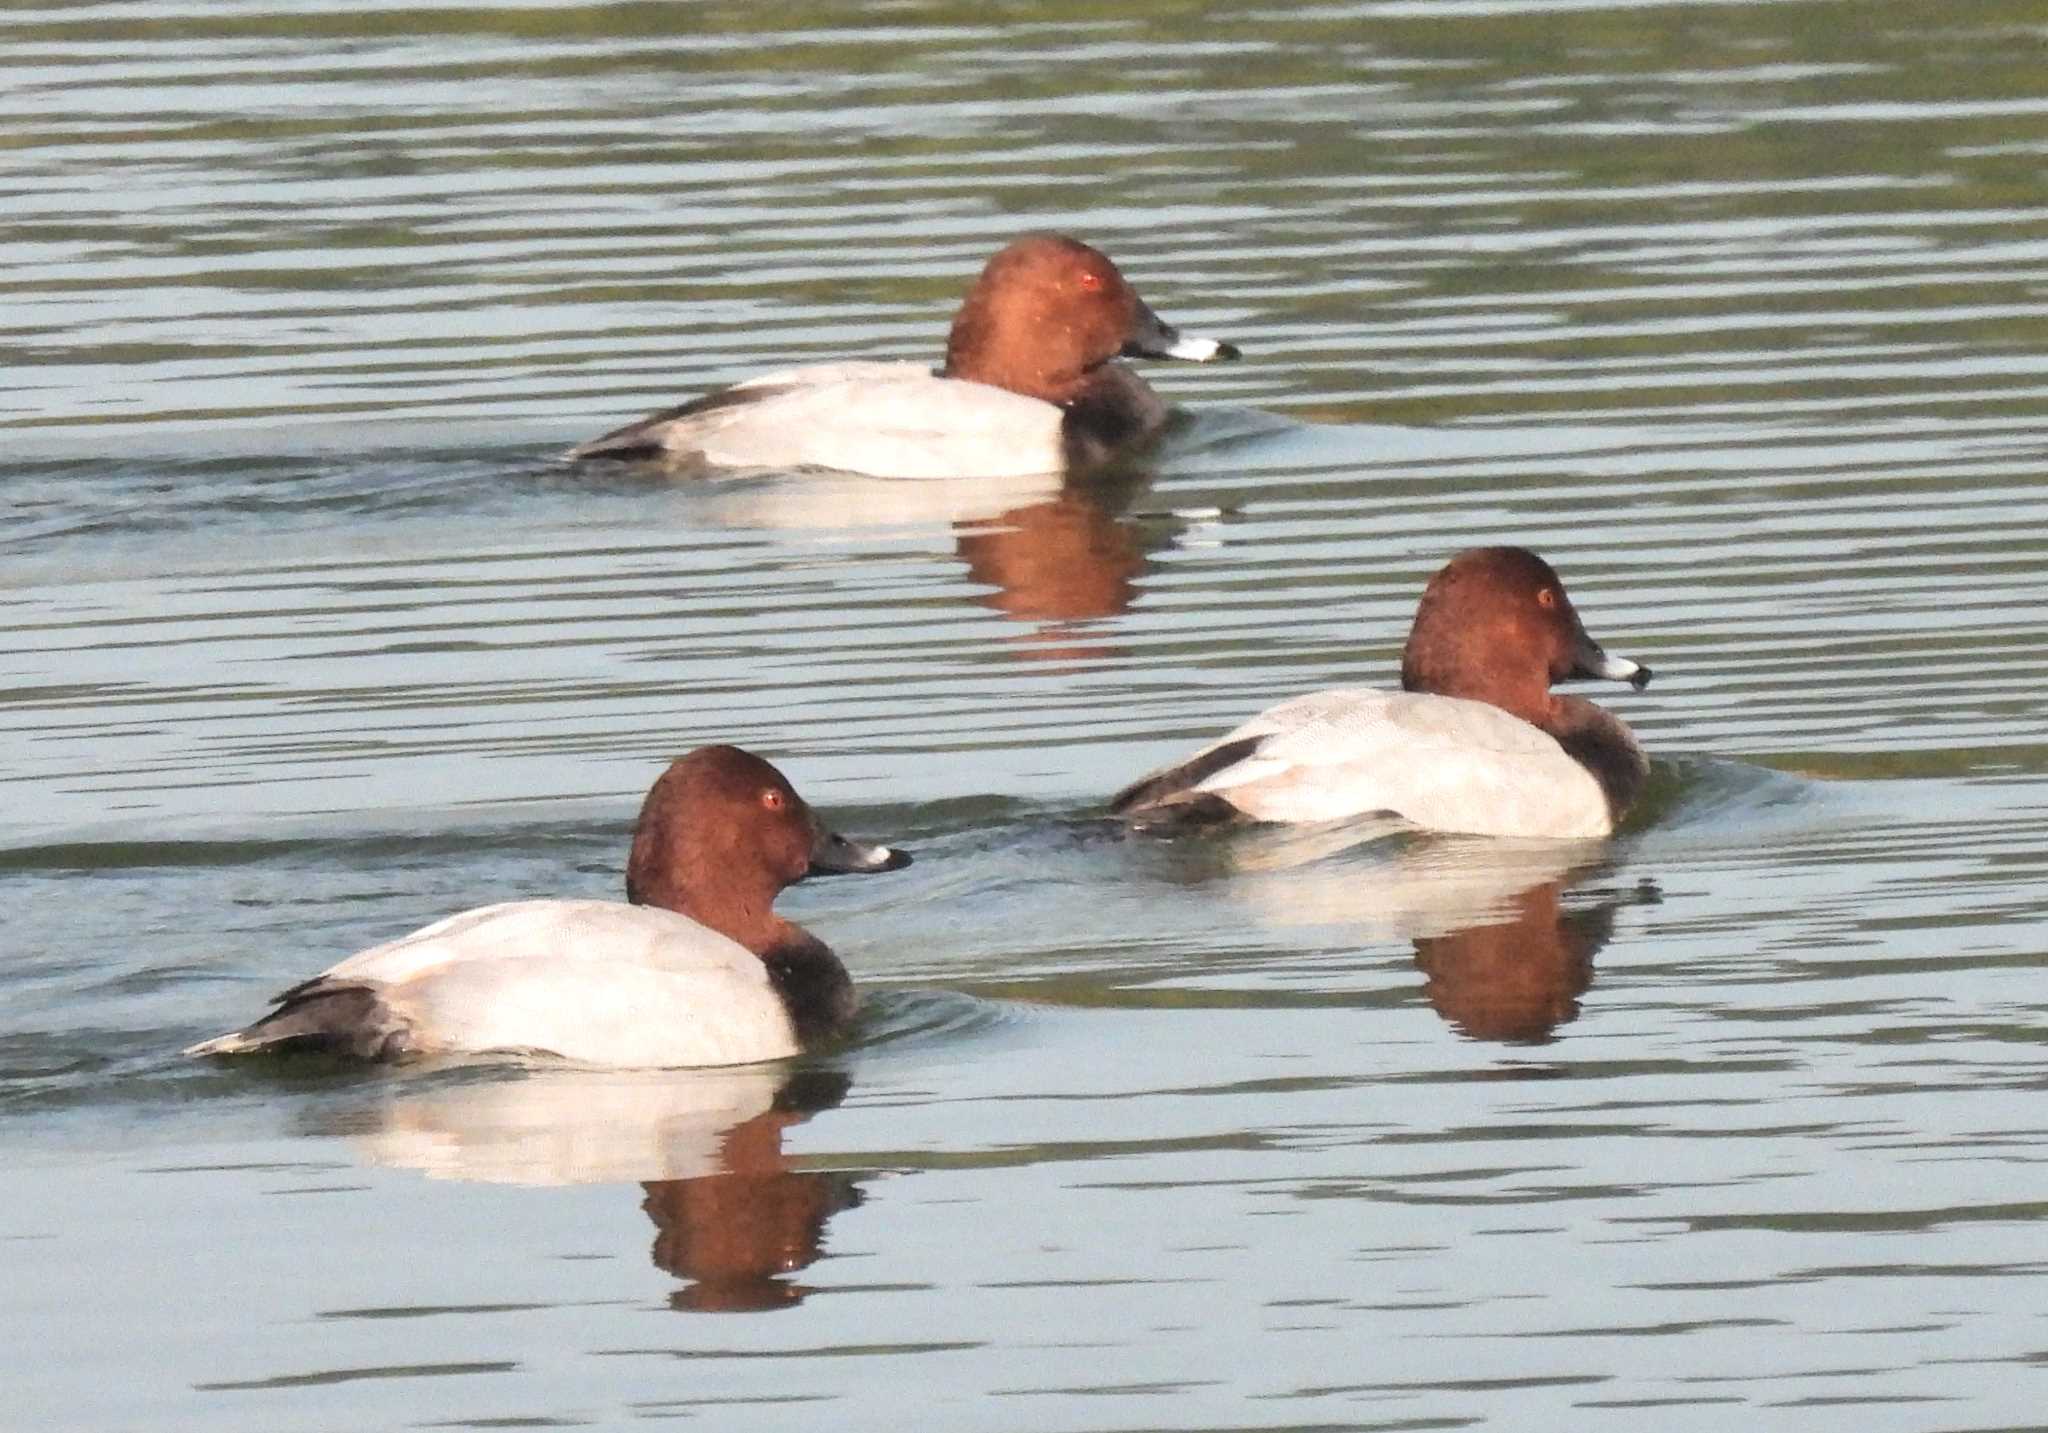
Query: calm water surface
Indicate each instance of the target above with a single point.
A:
(1736, 311)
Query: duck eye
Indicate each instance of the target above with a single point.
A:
(771, 799)
(1088, 281)
(1547, 598)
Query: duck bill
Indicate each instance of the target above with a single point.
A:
(1591, 663)
(834, 855)
(1152, 337)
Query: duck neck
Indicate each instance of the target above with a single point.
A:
(814, 988)
(1599, 741)
(738, 910)
(973, 359)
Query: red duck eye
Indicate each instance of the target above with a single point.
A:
(1547, 597)
(1088, 282)
(771, 799)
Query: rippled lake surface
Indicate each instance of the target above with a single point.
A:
(1735, 311)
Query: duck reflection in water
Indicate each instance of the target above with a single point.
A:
(1516, 981)
(1504, 957)
(1057, 552)
(1061, 561)
(731, 1214)
(734, 1234)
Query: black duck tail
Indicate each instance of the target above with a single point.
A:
(1171, 792)
(331, 1017)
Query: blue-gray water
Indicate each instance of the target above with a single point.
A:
(1735, 311)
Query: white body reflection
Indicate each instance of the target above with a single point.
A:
(731, 1214)
(1054, 553)
(568, 1126)
(830, 503)
(1504, 957)
(1389, 881)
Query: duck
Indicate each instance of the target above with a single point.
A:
(694, 969)
(1031, 384)
(1474, 742)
